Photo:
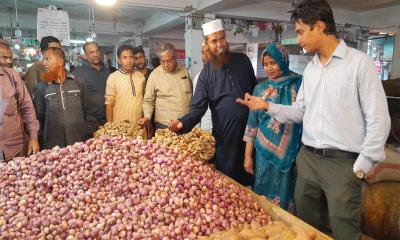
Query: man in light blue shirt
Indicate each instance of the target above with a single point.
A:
(345, 123)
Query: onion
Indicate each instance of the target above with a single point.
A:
(118, 188)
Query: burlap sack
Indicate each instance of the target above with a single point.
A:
(381, 210)
(388, 170)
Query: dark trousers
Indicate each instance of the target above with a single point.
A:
(328, 185)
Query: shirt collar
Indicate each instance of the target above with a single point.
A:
(339, 52)
(70, 75)
(86, 63)
(5, 70)
(124, 72)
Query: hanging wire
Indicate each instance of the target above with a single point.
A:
(90, 19)
(11, 22)
(93, 19)
(16, 11)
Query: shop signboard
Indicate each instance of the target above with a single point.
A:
(53, 22)
(180, 56)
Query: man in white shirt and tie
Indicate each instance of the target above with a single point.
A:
(345, 118)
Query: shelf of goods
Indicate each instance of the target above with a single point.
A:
(125, 188)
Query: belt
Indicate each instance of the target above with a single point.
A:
(332, 153)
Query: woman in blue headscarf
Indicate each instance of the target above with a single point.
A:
(276, 145)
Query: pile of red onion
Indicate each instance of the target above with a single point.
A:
(118, 188)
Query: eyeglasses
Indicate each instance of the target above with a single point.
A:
(168, 61)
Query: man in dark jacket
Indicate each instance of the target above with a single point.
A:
(227, 76)
(93, 76)
(60, 104)
(33, 80)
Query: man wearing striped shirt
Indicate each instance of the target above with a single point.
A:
(124, 89)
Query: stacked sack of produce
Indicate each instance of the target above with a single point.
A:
(198, 144)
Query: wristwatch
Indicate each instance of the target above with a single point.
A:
(360, 174)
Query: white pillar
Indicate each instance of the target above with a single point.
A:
(396, 57)
(193, 39)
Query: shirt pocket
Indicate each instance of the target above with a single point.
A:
(10, 106)
(164, 88)
(73, 99)
(52, 102)
(186, 85)
(341, 89)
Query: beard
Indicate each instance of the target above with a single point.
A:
(218, 61)
(139, 66)
(54, 75)
(7, 65)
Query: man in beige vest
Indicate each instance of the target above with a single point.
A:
(168, 90)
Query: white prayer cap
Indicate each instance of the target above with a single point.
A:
(203, 43)
(212, 27)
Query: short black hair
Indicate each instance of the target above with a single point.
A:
(89, 43)
(58, 52)
(138, 49)
(124, 48)
(44, 43)
(311, 11)
(155, 62)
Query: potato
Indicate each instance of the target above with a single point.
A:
(229, 235)
(275, 228)
(302, 234)
(249, 234)
(255, 225)
(285, 235)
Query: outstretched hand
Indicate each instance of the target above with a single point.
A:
(175, 125)
(253, 103)
(143, 121)
(33, 147)
(248, 165)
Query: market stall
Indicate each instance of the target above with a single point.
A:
(127, 188)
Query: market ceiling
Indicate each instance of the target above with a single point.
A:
(157, 16)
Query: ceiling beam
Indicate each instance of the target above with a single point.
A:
(278, 11)
(29, 22)
(178, 5)
(162, 21)
(211, 6)
(386, 19)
